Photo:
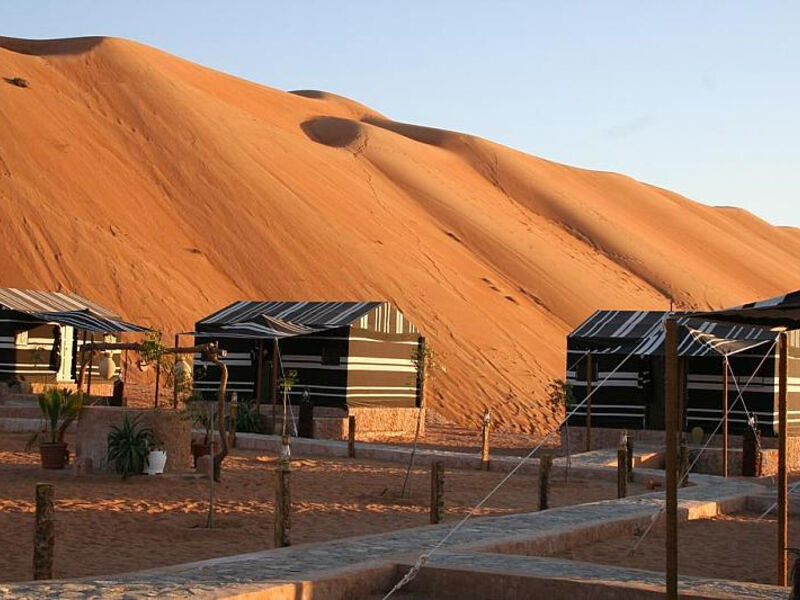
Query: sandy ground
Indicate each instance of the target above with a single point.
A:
(165, 190)
(106, 525)
(736, 546)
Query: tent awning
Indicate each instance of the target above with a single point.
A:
(778, 312)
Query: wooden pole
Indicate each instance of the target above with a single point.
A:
(91, 365)
(545, 465)
(351, 436)
(175, 379)
(283, 504)
(622, 471)
(783, 393)
(725, 416)
(44, 537)
(273, 384)
(671, 427)
(629, 455)
(259, 376)
(437, 491)
(485, 458)
(589, 386)
(158, 382)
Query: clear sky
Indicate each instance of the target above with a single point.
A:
(699, 97)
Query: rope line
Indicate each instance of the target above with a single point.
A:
(425, 556)
(655, 517)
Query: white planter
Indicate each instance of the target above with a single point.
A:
(156, 461)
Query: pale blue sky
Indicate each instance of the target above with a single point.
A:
(699, 97)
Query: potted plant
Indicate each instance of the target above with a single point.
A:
(59, 409)
(202, 414)
(156, 459)
(129, 446)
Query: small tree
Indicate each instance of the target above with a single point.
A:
(561, 396)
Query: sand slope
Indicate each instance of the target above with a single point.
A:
(165, 190)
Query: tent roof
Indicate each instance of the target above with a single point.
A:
(642, 332)
(780, 311)
(68, 309)
(252, 319)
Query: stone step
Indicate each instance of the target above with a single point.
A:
(23, 425)
(19, 412)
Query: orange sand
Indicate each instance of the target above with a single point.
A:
(734, 547)
(165, 190)
(106, 525)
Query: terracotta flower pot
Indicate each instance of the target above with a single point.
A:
(54, 455)
(200, 449)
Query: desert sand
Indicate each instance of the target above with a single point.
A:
(737, 546)
(107, 525)
(166, 190)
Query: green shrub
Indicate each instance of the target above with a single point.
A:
(129, 445)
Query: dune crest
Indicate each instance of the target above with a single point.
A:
(165, 190)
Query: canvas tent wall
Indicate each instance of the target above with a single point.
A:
(344, 353)
(41, 334)
(633, 397)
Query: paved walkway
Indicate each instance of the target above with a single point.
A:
(225, 576)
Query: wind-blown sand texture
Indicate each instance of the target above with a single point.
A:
(106, 525)
(165, 190)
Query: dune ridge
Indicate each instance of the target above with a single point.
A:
(165, 189)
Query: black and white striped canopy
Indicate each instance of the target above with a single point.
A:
(642, 333)
(251, 319)
(67, 309)
(780, 311)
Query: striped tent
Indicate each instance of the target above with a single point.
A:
(780, 311)
(41, 334)
(344, 353)
(628, 350)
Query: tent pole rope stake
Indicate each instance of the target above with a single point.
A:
(783, 374)
(671, 466)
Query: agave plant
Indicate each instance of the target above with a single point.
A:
(128, 446)
(59, 408)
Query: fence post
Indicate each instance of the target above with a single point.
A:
(629, 452)
(487, 420)
(545, 464)
(437, 491)
(351, 436)
(622, 471)
(283, 504)
(44, 535)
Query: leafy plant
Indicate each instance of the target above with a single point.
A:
(425, 361)
(202, 412)
(561, 395)
(248, 419)
(129, 445)
(288, 381)
(59, 409)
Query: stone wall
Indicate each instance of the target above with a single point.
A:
(171, 428)
(372, 423)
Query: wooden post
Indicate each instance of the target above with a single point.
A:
(725, 416)
(233, 415)
(351, 436)
(783, 393)
(283, 504)
(273, 383)
(175, 378)
(671, 462)
(211, 503)
(259, 376)
(421, 374)
(629, 455)
(485, 458)
(545, 465)
(589, 386)
(44, 534)
(437, 491)
(622, 471)
(91, 362)
(158, 382)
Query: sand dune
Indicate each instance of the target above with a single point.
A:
(165, 189)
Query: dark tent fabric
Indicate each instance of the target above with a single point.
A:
(780, 311)
(64, 308)
(642, 333)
